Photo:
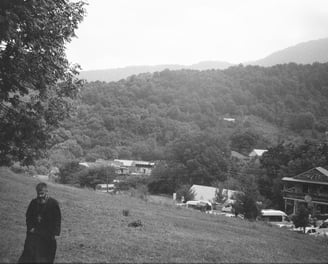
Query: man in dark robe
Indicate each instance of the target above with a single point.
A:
(43, 220)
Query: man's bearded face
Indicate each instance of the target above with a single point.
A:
(42, 195)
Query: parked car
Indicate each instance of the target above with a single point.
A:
(323, 229)
(311, 231)
(314, 231)
(227, 208)
(199, 205)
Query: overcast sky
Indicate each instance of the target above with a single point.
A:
(119, 33)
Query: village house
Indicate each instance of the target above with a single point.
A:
(101, 163)
(256, 153)
(123, 167)
(136, 167)
(204, 193)
(310, 189)
(210, 194)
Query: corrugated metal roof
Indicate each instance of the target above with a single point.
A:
(125, 162)
(130, 163)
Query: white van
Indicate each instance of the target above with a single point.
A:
(105, 187)
(276, 217)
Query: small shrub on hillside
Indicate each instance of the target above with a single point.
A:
(301, 218)
(93, 176)
(122, 186)
(186, 193)
(68, 173)
(132, 182)
(17, 168)
(246, 204)
(42, 170)
(42, 166)
(250, 207)
(29, 170)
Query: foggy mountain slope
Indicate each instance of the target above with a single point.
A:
(303, 53)
(112, 75)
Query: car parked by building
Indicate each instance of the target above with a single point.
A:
(199, 205)
(323, 229)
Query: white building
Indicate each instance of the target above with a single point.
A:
(204, 193)
(257, 153)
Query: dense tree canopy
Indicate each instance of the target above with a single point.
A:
(36, 80)
(288, 160)
(145, 113)
(178, 117)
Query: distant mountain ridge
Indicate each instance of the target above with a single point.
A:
(303, 53)
(112, 75)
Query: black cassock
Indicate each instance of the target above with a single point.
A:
(40, 246)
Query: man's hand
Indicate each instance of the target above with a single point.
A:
(32, 230)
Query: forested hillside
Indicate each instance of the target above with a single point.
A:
(139, 116)
(177, 117)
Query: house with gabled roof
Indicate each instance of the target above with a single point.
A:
(257, 153)
(136, 167)
(309, 188)
(204, 193)
(100, 163)
(123, 167)
(209, 194)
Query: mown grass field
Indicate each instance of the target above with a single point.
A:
(95, 230)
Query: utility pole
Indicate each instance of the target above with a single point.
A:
(107, 180)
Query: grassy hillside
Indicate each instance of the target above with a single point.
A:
(95, 230)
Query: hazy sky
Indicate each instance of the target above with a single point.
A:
(119, 33)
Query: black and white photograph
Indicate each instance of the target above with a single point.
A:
(163, 131)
